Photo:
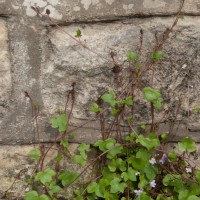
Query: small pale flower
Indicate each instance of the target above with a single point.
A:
(163, 159)
(137, 173)
(152, 161)
(188, 170)
(153, 184)
(138, 192)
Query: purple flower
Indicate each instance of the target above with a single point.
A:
(138, 192)
(163, 159)
(153, 184)
(152, 161)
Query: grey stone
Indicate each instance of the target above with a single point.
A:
(14, 174)
(88, 10)
(5, 71)
(68, 63)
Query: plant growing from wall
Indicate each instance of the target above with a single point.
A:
(131, 165)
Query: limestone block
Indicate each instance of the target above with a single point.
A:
(5, 71)
(68, 63)
(14, 174)
(84, 10)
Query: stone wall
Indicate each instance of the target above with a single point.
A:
(42, 60)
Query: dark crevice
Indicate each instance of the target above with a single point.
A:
(122, 19)
(5, 16)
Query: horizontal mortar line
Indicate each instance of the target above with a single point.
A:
(5, 16)
(121, 18)
(70, 142)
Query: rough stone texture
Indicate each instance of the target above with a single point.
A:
(84, 10)
(43, 61)
(14, 174)
(13, 170)
(5, 71)
(68, 63)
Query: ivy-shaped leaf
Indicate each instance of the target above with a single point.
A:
(153, 96)
(109, 98)
(84, 147)
(78, 33)
(54, 189)
(95, 108)
(67, 177)
(45, 176)
(60, 122)
(33, 195)
(129, 174)
(117, 186)
(187, 144)
(132, 56)
(157, 55)
(35, 153)
(80, 159)
(148, 142)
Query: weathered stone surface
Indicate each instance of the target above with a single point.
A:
(83, 10)
(5, 71)
(45, 62)
(11, 168)
(14, 174)
(68, 63)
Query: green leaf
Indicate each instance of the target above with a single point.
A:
(80, 159)
(98, 189)
(172, 156)
(153, 96)
(114, 151)
(150, 172)
(84, 147)
(138, 163)
(129, 174)
(53, 188)
(164, 136)
(193, 197)
(148, 142)
(156, 55)
(35, 153)
(132, 56)
(95, 108)
(32, 195)
(196, 109)
(109, 98)
(78, 33)
(114, 111)
(104, 145)
(143, 196)
(197, 175)
(117, 164)
(117, 186)
(129, 101)
(163, 197)
(60, 122)
(143, 182)
(43, 197)
(194, 189)
(64, 143)
(92, 187)
(187, 144)
(144, 154)
(45, 176)
(173, 180)
(67, 177)
(181, 17)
